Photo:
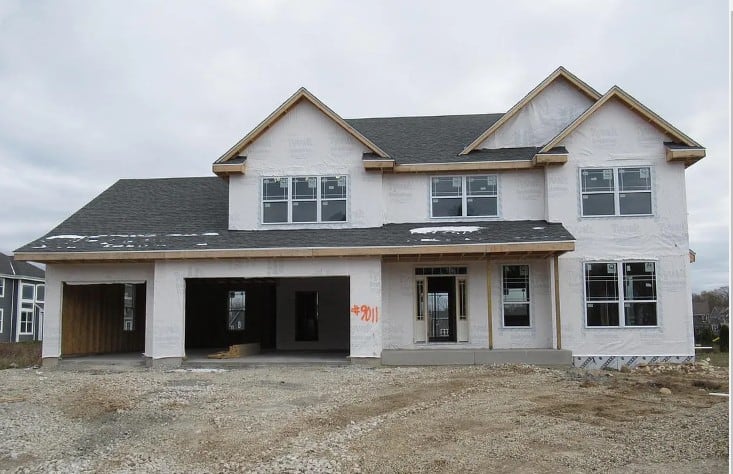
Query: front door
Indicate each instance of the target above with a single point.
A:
(441, 296)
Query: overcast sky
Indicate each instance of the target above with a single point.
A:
(91, 92)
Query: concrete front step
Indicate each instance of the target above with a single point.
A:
(542, 357)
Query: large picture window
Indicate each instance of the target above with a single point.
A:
(304, 199)
(620, 294)
(464, 196)
(616, 191)
(515, 295)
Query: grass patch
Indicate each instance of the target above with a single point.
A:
(717, 358)
(19, 354)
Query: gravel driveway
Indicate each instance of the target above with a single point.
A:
(356, 419)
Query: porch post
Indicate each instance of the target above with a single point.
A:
(488, 303)
(556, 275)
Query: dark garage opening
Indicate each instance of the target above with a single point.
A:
(103, 319)
(279, 314)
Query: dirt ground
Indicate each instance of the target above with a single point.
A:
(357, 419)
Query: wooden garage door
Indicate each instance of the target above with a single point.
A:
(92, 320)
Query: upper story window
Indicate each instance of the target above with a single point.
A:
(616, 191)
(2, 287)
(304, 199)
(464, 196)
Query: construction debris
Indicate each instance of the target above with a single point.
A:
(236, 350)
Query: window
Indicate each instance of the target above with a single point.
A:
(304, 199)
(2, 320)
(26, 309)
(616, 191)
(2, 287)
(26, 319)
(515, 295)
(464, 196)
(440, 271)
(462, 300)
(620, 294)
(128, 308)
(237, 301)
(27, 292)
(420, 303)
(40, 293)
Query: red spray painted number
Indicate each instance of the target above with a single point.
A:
(366, 313)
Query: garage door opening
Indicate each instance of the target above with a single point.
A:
(266, 316)
(103, 319)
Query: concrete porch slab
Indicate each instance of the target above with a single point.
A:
(541, 357)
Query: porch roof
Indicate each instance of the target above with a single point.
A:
(188, 218)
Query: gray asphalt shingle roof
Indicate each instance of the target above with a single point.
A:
(10, 267)
(192, 214)
(433, 139)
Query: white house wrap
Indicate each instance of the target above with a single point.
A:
(555, 233)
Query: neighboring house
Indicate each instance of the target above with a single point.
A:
(553, 233)
(22, 291)
(708, 320)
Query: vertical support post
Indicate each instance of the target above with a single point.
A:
(556, 272)
(488, 304)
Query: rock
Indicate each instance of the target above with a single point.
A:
(665, 391)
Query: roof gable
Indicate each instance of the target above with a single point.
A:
(559, 73)
(300, 94)
(637, 107)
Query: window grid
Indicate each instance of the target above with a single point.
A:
(26, 322)
(27, 302)
(462, 190)
(622, 302)
(291, 197)
(616, 188)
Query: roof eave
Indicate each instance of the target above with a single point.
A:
(634, 105)
(688, 156)
(227, 169)
(554, 247)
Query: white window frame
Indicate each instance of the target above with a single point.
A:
(529, 291)
(621, 297)
(464, 196)
(22, 311)
(616, 190)
(2, 287)
(2, 319)
(318, 200)
(44, 293)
